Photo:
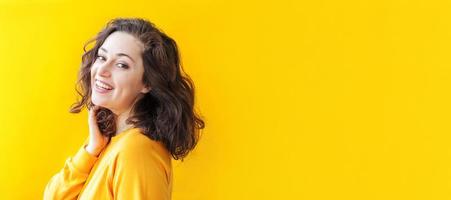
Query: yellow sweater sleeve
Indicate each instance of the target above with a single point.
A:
(140, 174)
(69, 181)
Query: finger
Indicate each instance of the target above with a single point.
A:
(90, 106)
(94, 110)
(92, 119)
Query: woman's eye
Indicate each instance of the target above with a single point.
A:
(121, 65)
(100, 57)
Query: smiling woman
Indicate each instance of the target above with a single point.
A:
(141, 112)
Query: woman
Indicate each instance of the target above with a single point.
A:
(141, 113)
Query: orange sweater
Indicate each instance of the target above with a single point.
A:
(132, 166)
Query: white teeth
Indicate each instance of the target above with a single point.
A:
(102, 85)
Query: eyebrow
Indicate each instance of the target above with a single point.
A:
(119, 54)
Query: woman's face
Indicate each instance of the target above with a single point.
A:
(116, 74)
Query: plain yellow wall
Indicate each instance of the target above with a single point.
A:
(302, 99)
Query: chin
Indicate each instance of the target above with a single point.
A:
(100, 102)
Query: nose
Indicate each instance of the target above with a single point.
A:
(104, 69)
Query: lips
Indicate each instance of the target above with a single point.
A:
(103, 85)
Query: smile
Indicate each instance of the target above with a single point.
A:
(102, 86)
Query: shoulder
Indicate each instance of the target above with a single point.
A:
(135, 141)
(136, 149)
(140, 167)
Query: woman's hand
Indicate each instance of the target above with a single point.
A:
(97, 141)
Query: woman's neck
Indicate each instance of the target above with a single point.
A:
(121, 124)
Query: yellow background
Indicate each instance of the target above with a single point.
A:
(302, 99)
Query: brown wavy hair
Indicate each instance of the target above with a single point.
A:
(167, 112)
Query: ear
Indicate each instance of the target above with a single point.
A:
(146, 90)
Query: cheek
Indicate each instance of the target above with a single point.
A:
(92, 71)
(93, 67)
(128, 85)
